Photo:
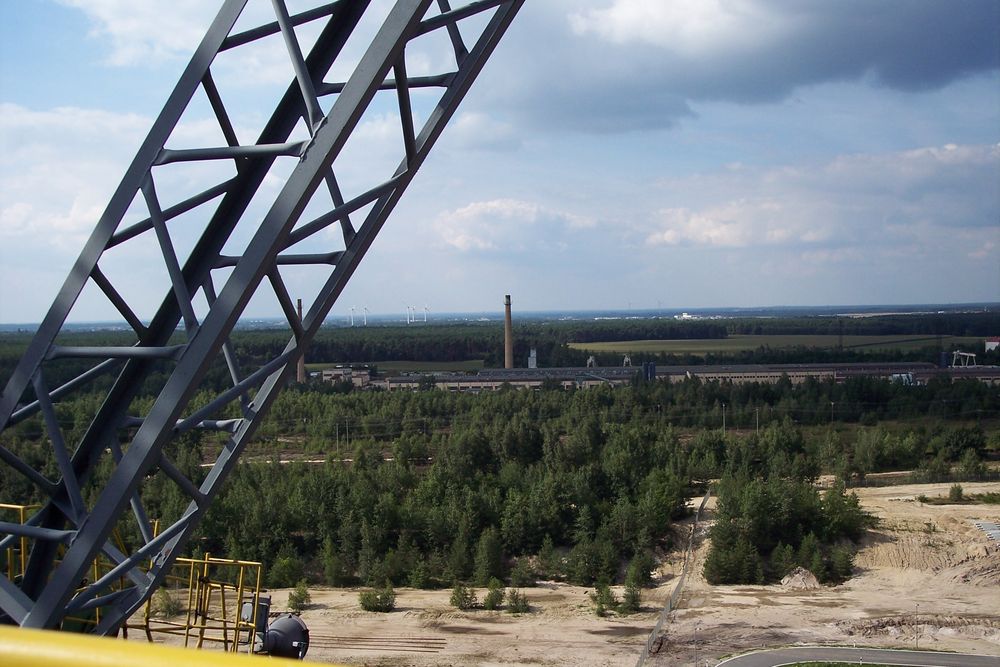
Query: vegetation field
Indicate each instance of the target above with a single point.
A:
(742, 343)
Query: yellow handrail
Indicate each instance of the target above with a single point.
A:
(43, 648)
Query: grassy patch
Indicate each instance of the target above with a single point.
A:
(990, 498)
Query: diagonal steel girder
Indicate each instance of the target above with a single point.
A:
(50, 590)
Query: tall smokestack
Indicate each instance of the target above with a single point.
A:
(508, 335)
(300, 371)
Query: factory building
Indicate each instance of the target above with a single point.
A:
(579, 378)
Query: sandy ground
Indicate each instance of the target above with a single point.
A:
(926, 555)
(931, 556)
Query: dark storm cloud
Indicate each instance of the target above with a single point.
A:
(906, 44)
(610, 65)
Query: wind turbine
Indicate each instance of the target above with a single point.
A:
(352, 316)
(365, 313)
(425, 313)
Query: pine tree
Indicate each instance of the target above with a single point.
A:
(489, 557)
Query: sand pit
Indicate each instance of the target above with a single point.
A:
(931, 556)
(926, 575)
(425, 630)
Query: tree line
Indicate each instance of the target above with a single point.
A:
(453, 342)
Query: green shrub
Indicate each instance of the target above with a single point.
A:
(462, 598)
(517, 603)
(631, 600)
(334, 569)
(970, 466)
(782, 559)
(166, 605)
(522, 576)
(640, 569)
(494, 595)
(285, 572)
(955, 493)
(418, 576)
(841, 563)
(381, 600)
(548, 560)
(604, 599)
(299, 598)
(489, 557)
(583, 563)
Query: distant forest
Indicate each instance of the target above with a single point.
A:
(484, 342)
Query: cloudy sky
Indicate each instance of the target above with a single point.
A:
(651, 153)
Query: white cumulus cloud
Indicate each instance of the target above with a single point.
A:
(689, 28)
(907, 198)
(138, 30)
(58, 167)
(507, 225)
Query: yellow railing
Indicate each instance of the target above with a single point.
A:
(215, 590)
(17, 557)
(44, 648)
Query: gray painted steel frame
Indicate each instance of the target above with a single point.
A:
(51, 587)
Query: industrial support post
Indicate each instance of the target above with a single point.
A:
(68, 533)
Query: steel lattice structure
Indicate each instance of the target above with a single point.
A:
(70, 531)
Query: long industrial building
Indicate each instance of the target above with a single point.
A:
(535, 378)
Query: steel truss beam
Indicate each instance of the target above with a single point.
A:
(70, 531)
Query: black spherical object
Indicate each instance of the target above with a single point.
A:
(287, 637)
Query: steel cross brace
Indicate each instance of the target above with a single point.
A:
(76, 533)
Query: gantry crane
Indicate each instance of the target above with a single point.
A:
(241, 247)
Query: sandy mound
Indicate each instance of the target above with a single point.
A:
(800, 579)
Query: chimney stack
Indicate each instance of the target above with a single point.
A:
(508, 335)
(300, 371)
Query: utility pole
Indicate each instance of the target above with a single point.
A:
(723, 419)
(696, 646)
(756, 414)
(916, 627)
